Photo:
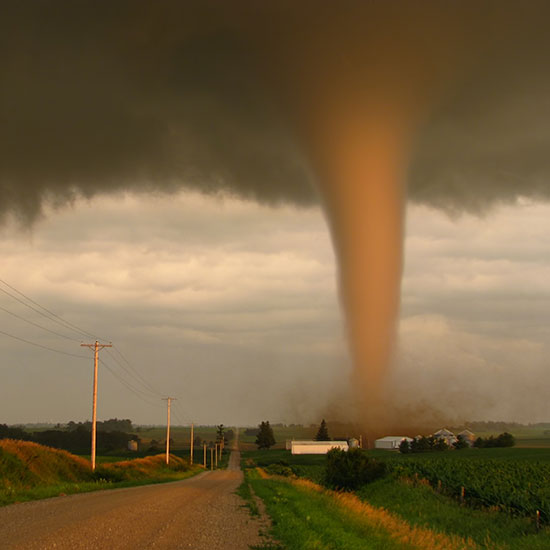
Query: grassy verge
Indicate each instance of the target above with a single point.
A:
(420, 505)
(29, 471)
(69, 488)
(306, 518)
(246, 494)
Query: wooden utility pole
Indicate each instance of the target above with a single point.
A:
(204, 457)
(211, 458)
(96, 346)
(191, 452)
(216, 454)
(168, 403)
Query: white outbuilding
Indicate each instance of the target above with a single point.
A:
(446, 435)
(310, 447)
(390, 442)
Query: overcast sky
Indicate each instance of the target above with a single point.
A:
(232, 308)
(161, 169)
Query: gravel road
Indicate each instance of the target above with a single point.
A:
(201, 513)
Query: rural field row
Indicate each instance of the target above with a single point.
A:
(404, 491)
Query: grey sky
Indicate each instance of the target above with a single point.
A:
(136, 106)
(232, 307)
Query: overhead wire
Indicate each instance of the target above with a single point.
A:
(147, 392)
(38, 325)
(130, 369)
(45, 312)
(42, 346)
(140, 395)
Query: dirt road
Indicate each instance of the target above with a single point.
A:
(201, 513)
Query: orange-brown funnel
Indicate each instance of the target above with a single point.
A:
(359, 87)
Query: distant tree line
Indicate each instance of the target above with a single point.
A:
(76, 438)
(111, 425)
(432, 443)
(423, 445)
(503, 440)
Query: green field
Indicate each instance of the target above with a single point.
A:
(504, 488)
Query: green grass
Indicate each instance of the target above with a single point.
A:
(313, 521)
(30, 471)
(62, 489)
(246, 494)
(421, 505)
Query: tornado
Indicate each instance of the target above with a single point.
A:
(361, 89)
(257, 99)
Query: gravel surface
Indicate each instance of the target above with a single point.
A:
(201, 513)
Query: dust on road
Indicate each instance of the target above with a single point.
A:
(201, 513)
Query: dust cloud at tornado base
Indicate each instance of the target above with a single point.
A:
(357, 107)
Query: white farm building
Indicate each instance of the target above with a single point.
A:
(310, 447)
(390, 442)
(446, 435)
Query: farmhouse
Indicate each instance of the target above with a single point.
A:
(390, 442)
(310, 447)
(467, 436)
(447, 436)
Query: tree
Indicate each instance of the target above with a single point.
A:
(322, 433)
(404, 447)
(506, 440)
(349, 470)
(460, 443)
(265, 437)
(220, 433)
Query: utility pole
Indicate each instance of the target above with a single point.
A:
(96, 346)
(211, 458)
(191, 452)
(168, 403)
(204, 457)
(216, 455)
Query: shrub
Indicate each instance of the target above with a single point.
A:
(279, 470)
(404, 447)
(349, 470)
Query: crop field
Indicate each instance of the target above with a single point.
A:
(504, 488)
(515, 480)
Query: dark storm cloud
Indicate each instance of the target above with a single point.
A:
(490, 140)
(100, 96)
(109, 95)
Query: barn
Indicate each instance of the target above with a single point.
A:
(390, 442)
(310, 447)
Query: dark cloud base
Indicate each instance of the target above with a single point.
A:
(100, 97)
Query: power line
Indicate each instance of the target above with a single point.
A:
(131, 370)
(136, 391)
(50, 315)
(38, 325)
(42, 346)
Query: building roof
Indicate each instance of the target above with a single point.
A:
(444, 432)
(313, 442)
(393, 438)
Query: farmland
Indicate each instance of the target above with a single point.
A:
(503, 490)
